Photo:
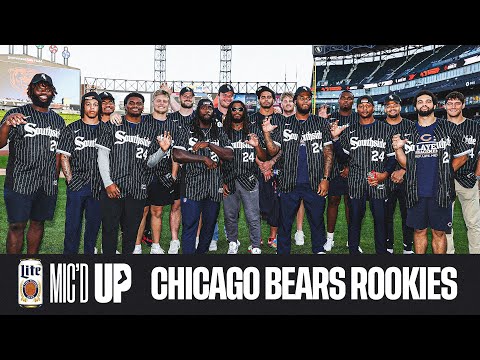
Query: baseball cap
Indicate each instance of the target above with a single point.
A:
(264, 88)
(302, 89)
(392, 97)
(186, 89)
(42, 77)
(203, 102)
(133, 94)
(91, 95)
(225, 88)
(106, 95)
(365, 99)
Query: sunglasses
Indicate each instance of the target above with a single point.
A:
(237, 109)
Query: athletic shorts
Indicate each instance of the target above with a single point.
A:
(37, 206)
(428, 214)
(159, 195)
(338, 186)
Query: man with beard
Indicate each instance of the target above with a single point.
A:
(433, 147)
(200, 148)
(466, 187)
(108, 105)
(304, 168)
(31, 182)
(267, 181)
(395, 184)
(184, 115)
(240, 183)
(122, 160)
(78, 157)
(367, 147)
(339, 183)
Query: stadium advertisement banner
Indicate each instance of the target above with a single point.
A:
(16, 72)
(222, 284)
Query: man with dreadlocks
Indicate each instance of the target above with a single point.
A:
(240, 182)
(200, 148)
(31, 184)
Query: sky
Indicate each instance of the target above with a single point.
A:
(250, 63)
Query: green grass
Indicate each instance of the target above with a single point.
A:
(54, 232)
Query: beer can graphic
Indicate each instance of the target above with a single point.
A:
(30, 283)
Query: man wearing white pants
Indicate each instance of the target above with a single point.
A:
(466, 183)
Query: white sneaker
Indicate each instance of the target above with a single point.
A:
(196, 242)
(156, 249)
(232, 248)
(95, 251)
(391, 251)
(299, 238)
(174, 247)
(213, 246)
(256, 251)
(408, 252)
(321, 253)
(328, 245)
(118, 252)
(137, 250)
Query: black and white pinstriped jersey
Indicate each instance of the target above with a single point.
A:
(368, 147)
(78, 141)
(200, 182)
(471, 136)
(129, 150)
(449, 145)
(403, 128)
(315, 133)
(180, 120)
(164, 166)
(243, 166)
(342, 120)
(32, 151)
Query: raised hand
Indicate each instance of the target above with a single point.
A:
(322, 112)
(252, 140)
(164, 141)
(267, 126)
(16, 119)
(336, 130)
(397, 142)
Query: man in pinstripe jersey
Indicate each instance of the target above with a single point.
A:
(31, 184)
(304, 169)
(429, 154)
(200, 148)
(78, 157)
(466, 184)
(367, 146)
(395, 184)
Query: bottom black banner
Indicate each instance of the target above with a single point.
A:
(240, 285)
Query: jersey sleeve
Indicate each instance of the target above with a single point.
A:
(459, 147)
(105, 138)
(181, 139)
(66, 142)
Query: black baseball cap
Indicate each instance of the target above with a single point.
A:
(90, 96)
(203, 102)
(302, 89)
(133, 94)
(186, 89)
(106, 95)
(365, 99)
(392, 97)
(264, 88)
(42, 77)
(225, 88)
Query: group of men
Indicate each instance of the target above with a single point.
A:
(118, 169)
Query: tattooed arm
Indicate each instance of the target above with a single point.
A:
(65, 163)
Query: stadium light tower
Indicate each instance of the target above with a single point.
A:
(226, 64)
(11, 49)
(25, 49)
(160, 75)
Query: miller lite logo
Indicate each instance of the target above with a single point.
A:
(30, 283)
